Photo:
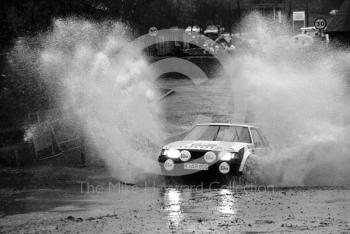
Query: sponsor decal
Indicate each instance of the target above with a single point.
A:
(204, 145)
(224, 168)
(169, 165)
(185, 155)
(209, 157)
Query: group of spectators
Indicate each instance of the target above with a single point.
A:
(213, 41)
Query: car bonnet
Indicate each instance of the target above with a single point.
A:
(206, 145)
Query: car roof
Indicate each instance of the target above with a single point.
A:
(229, 124)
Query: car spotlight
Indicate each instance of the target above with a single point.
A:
(209, 157)
(225, 156)
(185, 155)
(172, 153)
(169, 165)
(224, 168)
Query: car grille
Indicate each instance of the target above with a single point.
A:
(197, 153)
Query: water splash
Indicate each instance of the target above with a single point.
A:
(300, 97)
(107, 86)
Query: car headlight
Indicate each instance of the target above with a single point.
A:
(227, 156)
(172, 153)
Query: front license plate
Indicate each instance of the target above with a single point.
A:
(196, 166)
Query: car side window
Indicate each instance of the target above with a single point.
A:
(244, 135)
(265, 142)
(258, 142)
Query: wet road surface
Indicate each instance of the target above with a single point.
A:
(119, 208)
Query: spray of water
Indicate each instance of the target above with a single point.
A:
(300, 99)
(298, 96)
(107, 86)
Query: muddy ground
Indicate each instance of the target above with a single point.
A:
(118, 208)
(87, 200)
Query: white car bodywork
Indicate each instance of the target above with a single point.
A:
(254, 146)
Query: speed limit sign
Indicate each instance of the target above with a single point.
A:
(320, 23)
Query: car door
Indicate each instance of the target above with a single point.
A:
(259, 143)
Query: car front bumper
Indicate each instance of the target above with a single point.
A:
(198, 167)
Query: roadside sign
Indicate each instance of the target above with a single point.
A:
(320, 23)
(153, 31)
(298, 15)
(298, 19)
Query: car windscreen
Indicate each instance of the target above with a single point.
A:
(219, 133)
(203, 133)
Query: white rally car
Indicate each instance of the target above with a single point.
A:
(214, 149)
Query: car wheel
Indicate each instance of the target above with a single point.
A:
(249, 171)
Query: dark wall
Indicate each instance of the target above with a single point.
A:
(315, 8)
(23, 17)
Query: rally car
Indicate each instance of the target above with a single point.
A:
(214, 149)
